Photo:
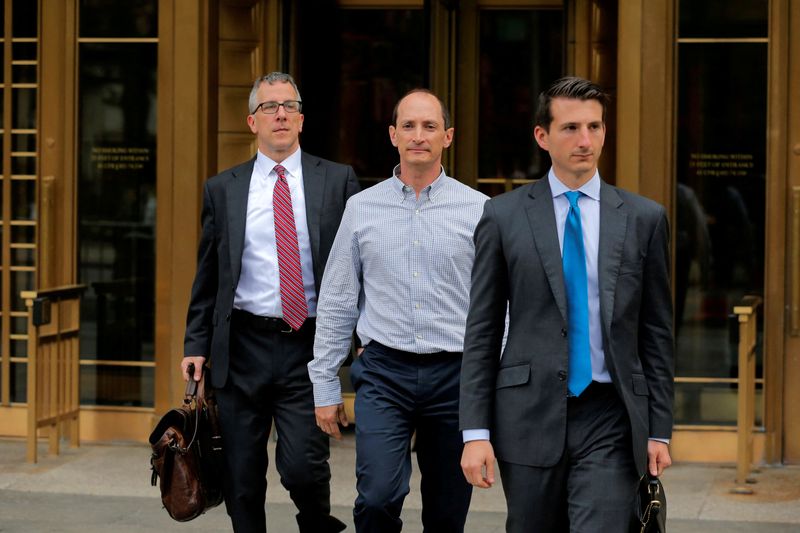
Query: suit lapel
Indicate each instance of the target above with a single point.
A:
(238, 190)
(613, 227)
(542, 221)
(314, 191)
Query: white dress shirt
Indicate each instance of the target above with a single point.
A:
(258, 291)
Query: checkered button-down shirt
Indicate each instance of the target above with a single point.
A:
(399, 273)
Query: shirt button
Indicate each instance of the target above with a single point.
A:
(416, 274)
(416, 211)
(562, 375)
(563, 332)
(419, 336)
(416, 306)
(416, 243)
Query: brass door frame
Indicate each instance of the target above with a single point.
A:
(784, 233)
(780, 439)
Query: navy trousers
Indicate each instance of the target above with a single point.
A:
(398, 393)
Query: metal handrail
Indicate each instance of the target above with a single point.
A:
(747, 312)
(53, 359)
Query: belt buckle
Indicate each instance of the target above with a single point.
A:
(290, 330)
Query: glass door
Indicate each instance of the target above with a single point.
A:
(720, 225)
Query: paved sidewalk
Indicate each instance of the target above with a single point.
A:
(106, 488)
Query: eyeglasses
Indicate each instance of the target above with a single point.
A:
(270, 108)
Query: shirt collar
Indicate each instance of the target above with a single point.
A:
(431, 190)
(292, 164)
(591, 188)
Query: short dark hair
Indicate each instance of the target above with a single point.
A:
(445, 112)
(568, 87)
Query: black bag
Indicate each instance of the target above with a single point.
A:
(651, 506)
(187, 454)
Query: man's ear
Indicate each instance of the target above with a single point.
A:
(542, 138)
(448, 137)
(393, 135)
(251, 122)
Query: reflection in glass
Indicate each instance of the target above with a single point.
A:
(23, 109)
(22, 256)
(23, 166)
(22, 234)
(720, 201)
(520, 55)
(25, 51)
(20, 281)
(19, 324)
(348, 103)
(23, 142)
(723, 18)
(18, 385)
(23, 73)
(23, 200)
(712, 404)
(19, 348)
(112, 18)
(116, 189)
(115, 385)
(25, 19)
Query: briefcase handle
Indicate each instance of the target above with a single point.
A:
(191, 384)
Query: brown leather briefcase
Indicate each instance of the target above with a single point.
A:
(187, 454)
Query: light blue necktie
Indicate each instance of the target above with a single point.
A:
(575, 283)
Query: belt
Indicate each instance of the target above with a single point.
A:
(272, 324)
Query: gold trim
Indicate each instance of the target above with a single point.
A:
(117, 39)
(109, 362)
(711, 380)
(711, 427)
(369, 4)
(794, 263)
(709, 40)
(515, 4)
(117, 409)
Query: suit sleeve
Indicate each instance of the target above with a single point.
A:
(656, 345)
(352, 186)
(486, 322)
(197, 340)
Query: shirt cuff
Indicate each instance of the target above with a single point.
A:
(665, 441)
(328, 393)
(475, 434)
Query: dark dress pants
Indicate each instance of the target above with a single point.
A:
(268, 380)
(396, 394)
(592, 487)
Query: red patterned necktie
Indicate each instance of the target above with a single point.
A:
(293, 297)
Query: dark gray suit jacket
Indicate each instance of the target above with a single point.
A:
(327, 186)
(522, 398)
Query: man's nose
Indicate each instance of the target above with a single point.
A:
(583, 137)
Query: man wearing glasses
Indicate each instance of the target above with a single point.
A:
(267, 228)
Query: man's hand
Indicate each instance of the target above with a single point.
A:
(657, 457)
(198, 361)
(477, 463)
(329, 417)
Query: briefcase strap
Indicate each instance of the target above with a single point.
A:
(654, 507)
